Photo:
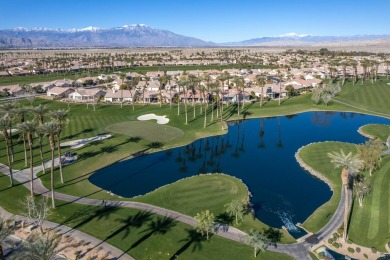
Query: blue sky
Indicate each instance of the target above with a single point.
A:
(212, 20)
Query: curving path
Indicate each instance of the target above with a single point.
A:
(297, 250)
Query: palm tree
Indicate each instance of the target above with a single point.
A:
(5, 230)
(40, 111)
(206, 77)
(361, 189)
(260, 80)
(183, 82)
(280, 86)
(205, 222)
(21, 112)
(350, 164)
(50, 130)
(256, 239)
(41, 247)
(8, 109)
(239, 82)
(4, 124)
(236, 209)
(28, 128)
(60, 118)
(354, 64)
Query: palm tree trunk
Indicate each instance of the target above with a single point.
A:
(205, 116)
(254, 250)
(41, 153)
(25, 150)
(53, 205)
(346, 210)
(9, 162)
(59, 156)
(31, 169)
(12, 146)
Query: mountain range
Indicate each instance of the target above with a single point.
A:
(141, 35)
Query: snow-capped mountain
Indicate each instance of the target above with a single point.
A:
(134, 35)
(294, 39)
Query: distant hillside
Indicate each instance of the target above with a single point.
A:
(292, 39)
(138, 35)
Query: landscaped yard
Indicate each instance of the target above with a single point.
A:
(125, 142)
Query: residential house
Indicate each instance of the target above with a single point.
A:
(85, 95)
(120, 96)
(58, 92)
(13, 90)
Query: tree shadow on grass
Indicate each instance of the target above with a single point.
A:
(224, 218)
(160, 226)
(135, 221)
(89, 213)
(193, 238)
(85, 131)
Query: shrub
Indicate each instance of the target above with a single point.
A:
(330, 240)
(340, 230)
(349, 241)
(321, 255)
(358, 249)
(351, 250)
(365, 256)
(336, 235)
(373, 249)
(336, 245)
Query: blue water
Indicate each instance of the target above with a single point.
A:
(258, 151)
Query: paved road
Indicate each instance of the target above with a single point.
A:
(297, 250)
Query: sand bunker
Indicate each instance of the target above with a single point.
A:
(162, 120)
(81, 142)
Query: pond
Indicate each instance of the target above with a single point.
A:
(258, 151)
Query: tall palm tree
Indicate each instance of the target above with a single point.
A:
(40, 111)
(50, 130)
(21, 113)
(206, 78)
(28, 128)
(239, 82)
(280, 86)
(193, 83)
(350, 164)
(4, 124)
(60, 118)
(260, 80)
(183, 82)
(361, 189)
(8, 109)
(354, 64)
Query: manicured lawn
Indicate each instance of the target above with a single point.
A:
(377, 130)
(315, 155)
(140, 234)
(147, 130)
(373, 97)
(370, 224)
(202, 192)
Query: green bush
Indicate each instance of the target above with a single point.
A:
(365, 255)
(336, 235)
(358, 249)
(349, 241)
(351, 250)
(373, 249)
(340, 230)
(330, 240)
(336, 245)
(321, 255)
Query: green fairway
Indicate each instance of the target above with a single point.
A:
(212, 192)
(147, 130)
(372, 97)
(370, 224)
(377, 130)
(315, 155)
